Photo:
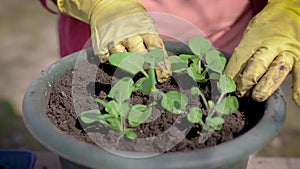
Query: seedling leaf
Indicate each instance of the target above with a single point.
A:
(174, 102)
(214, 61)
(195, 115)
(192, 72)
(139, 114)
(130, 134)
(228, 105)
(103, 103)
(185, 58)
(122, 90)
(146, 86)
(215, 122)
(127, 61)
(195, 91)
(114, 123)
(199, 46)
(214, 76)
(112, 108)
(154, 56)
(90, 116)
(177, 64)
(226, 84)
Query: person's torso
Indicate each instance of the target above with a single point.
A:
(214, 18)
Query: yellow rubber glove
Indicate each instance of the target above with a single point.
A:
(268, 51)
(118, 26)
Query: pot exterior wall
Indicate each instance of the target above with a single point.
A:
(239, 164)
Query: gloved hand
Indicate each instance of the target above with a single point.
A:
(268, 51)
(118, 26)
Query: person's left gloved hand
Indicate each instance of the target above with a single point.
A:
(118, 26)
(268, 51)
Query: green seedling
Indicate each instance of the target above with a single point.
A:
(135, 63)
(197, 66)
(117, 110)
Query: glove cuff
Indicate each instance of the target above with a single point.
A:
(79, 9)
(106, 9)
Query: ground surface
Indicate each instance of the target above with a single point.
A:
(29, 43)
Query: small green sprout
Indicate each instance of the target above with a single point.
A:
(117, 110)
(197, 66)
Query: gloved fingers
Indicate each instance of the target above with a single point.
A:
(117, 48)
(111, 49)
(277, 72)
(103, 56)
(239, 59)
(153, 41)
(135, 44)
(296, 82)
(254, 69)
(162, 69)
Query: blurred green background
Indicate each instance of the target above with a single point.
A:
(29, 43)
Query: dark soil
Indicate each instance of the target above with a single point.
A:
(163, 132)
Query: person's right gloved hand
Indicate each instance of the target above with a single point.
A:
(118, 26)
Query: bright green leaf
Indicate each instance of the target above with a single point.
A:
(154, 56)
(123, 109)
(114, 123)
(215, 122)
(90, 116)
(127, 61)
(147, 86)
(211, 104)
(138, 84)
(177, 64)
(139, 114)
(199, 46)
(185, 58)
(103, 103)
(226, 84)
(112, 108)
(195, 115)
(228, 105)
(130, 134)
(195, 91)
(214, 61)
(214, 76)
(193, 73)
(122, 90)
(174, 102)
(117, 109)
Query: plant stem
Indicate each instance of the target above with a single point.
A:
(144, 73)
(123, 123)
(212, 112)
(152, 77)
(199, 67)
(204, 100)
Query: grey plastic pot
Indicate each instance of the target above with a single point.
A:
(76, 154)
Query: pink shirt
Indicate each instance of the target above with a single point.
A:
(222, 21)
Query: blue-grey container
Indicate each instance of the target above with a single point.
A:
(16, 159)
(77, 154)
